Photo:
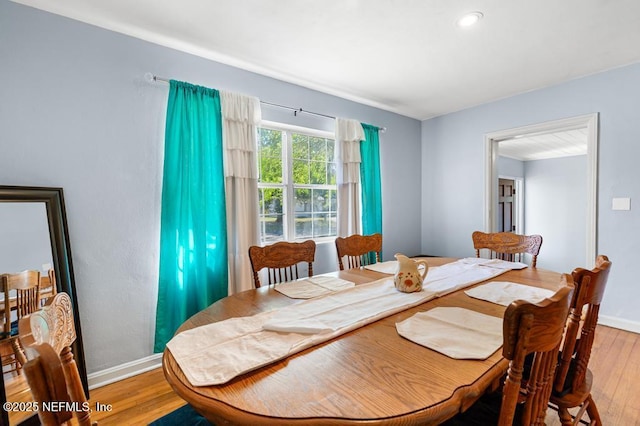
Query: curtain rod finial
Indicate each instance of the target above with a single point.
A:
(149, 77)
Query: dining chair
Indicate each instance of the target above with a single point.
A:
(573, 380)
(52, 287)
(48, 384)
(532, 333)
(21, 292)
(508, 246)
(282, 260)
(51, 369)
(359, 250)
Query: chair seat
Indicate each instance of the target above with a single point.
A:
(575, 398)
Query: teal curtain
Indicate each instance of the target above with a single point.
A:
(370, 181)
(193, 238)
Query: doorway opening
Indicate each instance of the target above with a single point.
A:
(492, 190)
(510, 212)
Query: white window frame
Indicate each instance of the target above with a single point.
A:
(287, 184)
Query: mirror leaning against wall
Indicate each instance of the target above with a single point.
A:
(34, 236)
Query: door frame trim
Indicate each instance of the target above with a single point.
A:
(491, 141)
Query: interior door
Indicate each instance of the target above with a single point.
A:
(506, 198)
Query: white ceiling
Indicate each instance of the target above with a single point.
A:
(544, 146)
(404, 56)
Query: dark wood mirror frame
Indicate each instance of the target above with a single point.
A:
(61, 254)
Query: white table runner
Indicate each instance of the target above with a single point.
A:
(494, 263)
(454, 276)
(349, 309)
(216, 353)
(390, 266)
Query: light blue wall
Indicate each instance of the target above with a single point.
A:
(76, 113)
(554, 189)
(453, 182)
(555, 194)
(508, 167)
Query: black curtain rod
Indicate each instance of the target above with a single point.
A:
(155, 78)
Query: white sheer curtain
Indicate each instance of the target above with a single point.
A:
(241, 114)
(349, 133)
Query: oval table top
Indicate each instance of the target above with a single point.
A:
(367, 376)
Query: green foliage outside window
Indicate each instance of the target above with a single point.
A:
(313, 190)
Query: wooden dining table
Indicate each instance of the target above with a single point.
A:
(370, 375)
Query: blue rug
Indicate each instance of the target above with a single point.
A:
(183, 416)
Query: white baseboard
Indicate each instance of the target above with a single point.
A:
(622, 324)
(123, 371)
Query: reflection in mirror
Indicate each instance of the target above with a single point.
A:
(24, 238)
(34, 236)
(24, 245)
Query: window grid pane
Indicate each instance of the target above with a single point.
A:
(270, 155)
(313, 188)
(315, 212)
(272, 217)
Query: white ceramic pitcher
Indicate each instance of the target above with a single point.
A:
(408, 278)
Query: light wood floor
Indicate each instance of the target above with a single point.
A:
(615, 363)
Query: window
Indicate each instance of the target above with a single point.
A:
(296, 184)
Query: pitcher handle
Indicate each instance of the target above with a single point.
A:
(426, 269)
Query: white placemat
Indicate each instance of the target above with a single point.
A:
(456, 332)
(308, 288)
(388, 267)
(505, 292)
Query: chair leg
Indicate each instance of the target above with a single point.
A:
(9, 357)
(565, 417)
(21, 358)
(592, 411)
(589, 405)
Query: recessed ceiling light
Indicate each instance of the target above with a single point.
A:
(469, 19)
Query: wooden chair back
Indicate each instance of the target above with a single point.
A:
(23, 290)
(571, 374)
(508, 246)
(21, 297)
(359, 250)
(47, 383)
(281, 259)
(532, 332)
(53, 326)
(51, 274)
